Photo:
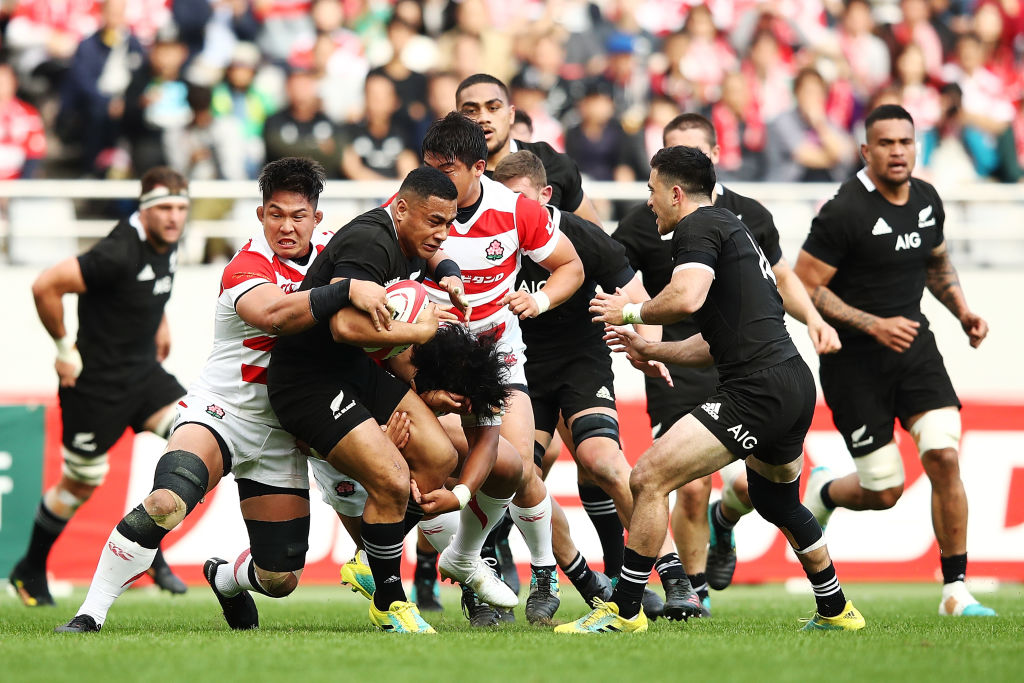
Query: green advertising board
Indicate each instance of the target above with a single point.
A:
(21, 477)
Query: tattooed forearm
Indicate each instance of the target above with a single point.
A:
(944, 284)
(837, 311)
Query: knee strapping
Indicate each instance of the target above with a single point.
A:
(595, 424)
(140, 527)
(183, 474)
(780, 505)
(937, 430)
(730, 473)
(538, 454)
(91, 470)
(880, 469)
(279, 546)
(273, 584)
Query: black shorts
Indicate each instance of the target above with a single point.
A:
(867, 391)
(765, 414)
(667, 405)
(580, 379)
(94, 415)
(321, 409)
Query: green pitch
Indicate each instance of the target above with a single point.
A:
(321, 633)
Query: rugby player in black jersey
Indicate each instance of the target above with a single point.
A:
(333, 397)
(693, 523)
(871, 251)
(111, 377)
(760, 411)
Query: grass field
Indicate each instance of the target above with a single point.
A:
(321, 633)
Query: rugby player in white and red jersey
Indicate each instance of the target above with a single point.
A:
(493, 228)
(225, 423)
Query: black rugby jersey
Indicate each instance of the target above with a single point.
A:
(563, 174)
(127, 285)
(569, 325)
(880, 250)
(364, 249)
(742, 317)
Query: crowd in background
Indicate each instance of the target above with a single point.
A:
(215, 88)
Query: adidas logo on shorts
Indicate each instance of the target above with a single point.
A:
(605, 394)
(712, 409)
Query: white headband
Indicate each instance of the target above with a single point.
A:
(162, 195)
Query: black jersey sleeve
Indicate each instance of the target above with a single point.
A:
(940, 213)
(110, 261)
(361, 253)
(563, 175)
(604, 259)
(630, 234)
(697, 241)
(829, 238)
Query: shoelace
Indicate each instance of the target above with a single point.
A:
(600, 611)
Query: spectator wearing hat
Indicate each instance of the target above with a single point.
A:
(240, 100)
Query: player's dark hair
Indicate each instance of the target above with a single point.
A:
(455, 360)
(690, 121)
(165, 176)
(886, 112)
(456, 137)
(687, 167)
(477, 79)
(293, 174)
(522, 117)
(425, 182)
(522, 164)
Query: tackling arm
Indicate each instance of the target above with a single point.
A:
(682, 296)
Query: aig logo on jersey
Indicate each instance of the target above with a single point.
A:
(909, 241)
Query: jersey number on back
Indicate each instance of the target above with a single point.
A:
(762, 261)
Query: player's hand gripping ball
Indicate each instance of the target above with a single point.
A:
(408, 298)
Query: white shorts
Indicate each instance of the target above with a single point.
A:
(346, 495)
(259, 452)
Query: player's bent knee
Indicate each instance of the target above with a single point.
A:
(937, 430)
(881, 469)
(595, 425)
(885, 499)
(277, 584)
(91, 471)
(940, 459)
(779, 504)
(166, 508)
(278, 551)
(183, 474)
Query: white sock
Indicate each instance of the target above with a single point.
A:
(535, 524)
(121, 562)
(240, 573)
(225, 580)
(476, 521)
(440, 529)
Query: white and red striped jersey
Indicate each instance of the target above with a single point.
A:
(488, 249)
(235, 374)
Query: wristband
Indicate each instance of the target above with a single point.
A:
(543, 302)
(631, 314)
(326, 300)
(446, 268)
(463, 493)
(67, 353)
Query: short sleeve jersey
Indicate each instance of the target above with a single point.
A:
(127, 285)
(879, 250)
(235, 373)
(488, 248)
(364, 249)
(563, 174)
(569, 325)
(742, 317)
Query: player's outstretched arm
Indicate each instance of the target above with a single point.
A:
(692, 351)
(895, 333)
(682, 296)
(275, 312)
(483, 453)
(351, 326)
(48, 291)
(798, 304)
(944, 284)
(566, 277)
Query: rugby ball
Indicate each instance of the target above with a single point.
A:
(408, 298)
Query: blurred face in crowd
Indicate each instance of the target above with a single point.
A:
(289, 220)
(914, 11)
(486, 104)
(441, 93)
(910, 65)
(381, 100)
(969, 54)
(301, 92)
(988, 23)
(8, 83)
(466, 180)
(810, 96)
(692, 137)
(113, 14)
(548, 55)
(857, 19)
(597, 109)
(890, 153)
(327, 15)
(167, 59)
(734, 92)
(699, 24)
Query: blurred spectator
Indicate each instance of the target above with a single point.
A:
(769, 75)
(522, 126)
(629, 80)
(208, 148)
(147, 17)
(527, 94)
(741, 132)
(915, 27)
(441, 87)
(43, 35)
(302, 129)
(240, 100)
(916, 93)
(944, 157)
(667, 78)
(803, 145)
(474, 30)
(338, 58)
(660, 112)
(406, 53)
(379, 147)
(587, 28)
(707, 58)
(211, 28)
(997, 36)
(546, 57)
(22, 139)
(598, 143)
(284, 23)
(866, 53)
(156, 102)
(92, 98)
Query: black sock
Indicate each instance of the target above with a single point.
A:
(954, 568)
(669, 567)
(383, 544)
(158, 560)
(45, 530)
(413, 515)
(826, 499)
(426, 565)
(601, 509)
(720, 519)
(629, 591)
(827, 591)
(700, 585)
(579, 572)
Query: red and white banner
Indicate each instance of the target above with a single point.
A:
(896, 544)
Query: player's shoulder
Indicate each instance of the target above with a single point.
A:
(742, 205)
(926, 189)
(374, 225)
(545, 152)
(254, 259)
(497, 197)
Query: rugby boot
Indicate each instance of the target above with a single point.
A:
(705, 608)
(474, 573)
(30, 585)
(681, 602)
(598, 587)
(426, 593)
(81, 623)
(507, 565)
(356, 575)
(480, 614)
(654, 606)
(239, 610)
(812, 494)
(167, 580)
(957, 601)
(850, 619)
(721, 553)
(543, 600)
(401, 617)
(604, 618)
